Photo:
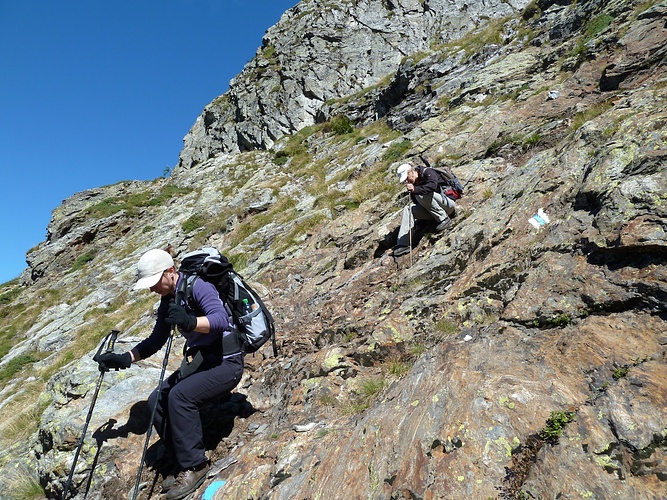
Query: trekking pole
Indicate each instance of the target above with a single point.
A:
(473, 174)
(109, 341)
(153, 410)
(412, 223)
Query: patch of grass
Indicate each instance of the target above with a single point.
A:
(597, 25)
(195, 221)
(82, 260)
(396, 150)
(18, 364)
(300, 229)
(371, 387)
(11, 294)
(585, 116)
(473, 42)
(23, 485)
(238, 260)
(339, 125)
(398, 368)
(132, 202)
(446, 327)
(281, 157)
(416, 349)
(487, 194)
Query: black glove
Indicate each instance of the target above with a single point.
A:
(109, 360)
(178, 316)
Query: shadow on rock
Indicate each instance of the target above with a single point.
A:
(137, 423)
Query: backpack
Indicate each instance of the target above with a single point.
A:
(450, 185)
(254, 323)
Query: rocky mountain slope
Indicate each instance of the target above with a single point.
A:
(500, 359)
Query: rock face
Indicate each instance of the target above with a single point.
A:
(321, 51)
(519, 354)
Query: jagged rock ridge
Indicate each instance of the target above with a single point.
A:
(441, 375)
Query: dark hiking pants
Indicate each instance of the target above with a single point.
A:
(177, 419)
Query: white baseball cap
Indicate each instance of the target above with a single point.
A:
(150, 267)
(402, 172)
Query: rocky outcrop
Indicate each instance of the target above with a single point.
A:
(510, 357)
(321, 51)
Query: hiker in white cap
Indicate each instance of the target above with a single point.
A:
(427, 203)
(205, 374)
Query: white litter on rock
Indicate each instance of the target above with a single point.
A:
(540, 219)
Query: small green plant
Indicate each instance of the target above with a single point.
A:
(446, 327)
(398, 368)
(621, 372)
(281, 157)
(416, 349)
(531, 141)
(487, 194)
(371, 387)
(339, 125)
(556, 424)
(193, 222)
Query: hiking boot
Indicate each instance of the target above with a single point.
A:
(188, 481)
(168, 483)
(442, 225)
(400, 250)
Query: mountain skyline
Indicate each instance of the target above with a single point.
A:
(95, 94)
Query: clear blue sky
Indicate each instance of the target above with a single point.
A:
(96, 92)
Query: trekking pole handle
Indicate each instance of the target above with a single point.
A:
(109, 341)
(113, 335)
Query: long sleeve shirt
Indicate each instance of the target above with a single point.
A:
(205, 302)
(428, 182)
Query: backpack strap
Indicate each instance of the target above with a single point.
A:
(184, 290)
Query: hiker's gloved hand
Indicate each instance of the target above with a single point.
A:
(111, 360)
(177, 315)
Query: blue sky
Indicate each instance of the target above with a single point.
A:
(96, 92)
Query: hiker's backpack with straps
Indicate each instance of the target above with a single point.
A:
(254, 323)
(449, 185)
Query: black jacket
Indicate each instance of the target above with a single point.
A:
(427, 182)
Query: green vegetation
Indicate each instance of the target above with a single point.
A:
(82, 260)
(193, 222)
(339, 125)
(445, 327)
(621, 372)
(593, 28)
(556, 424)
(14, 290)
(368, 391)
(18, 364)
(398, 368)
(584, 116)
(396, 150)
(473, 42)
(24, 486)
(132, 202)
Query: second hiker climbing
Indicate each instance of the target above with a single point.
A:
(427, 203)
